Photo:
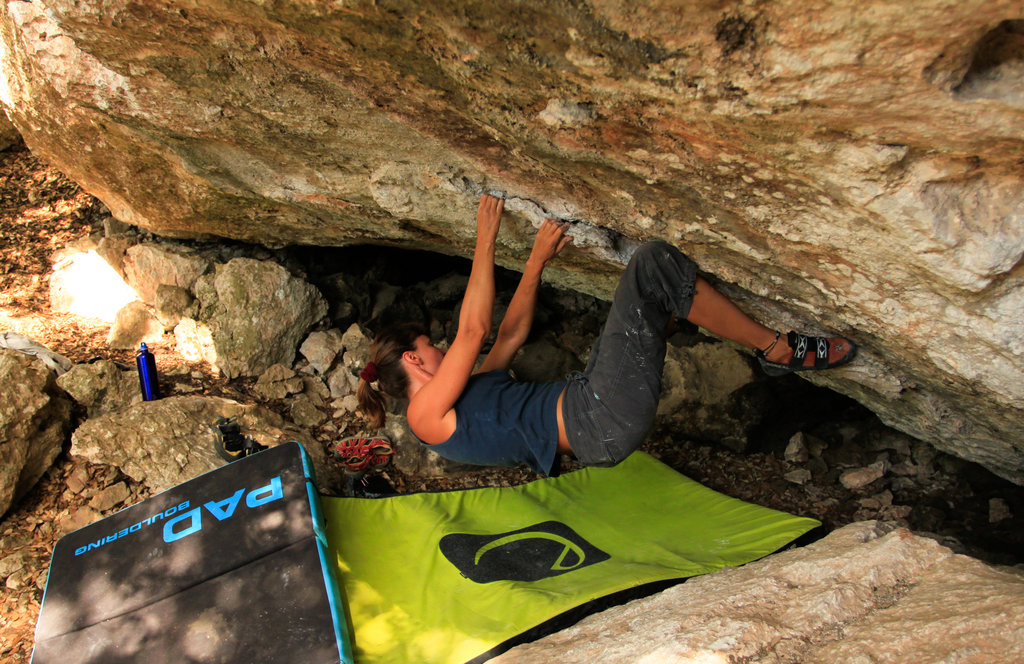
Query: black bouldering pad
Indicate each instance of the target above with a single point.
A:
(227, 567)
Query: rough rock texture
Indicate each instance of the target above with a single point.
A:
(843, 166)
(101, 386)
(148, 266)
(166, 442)
(321, 348)
(257, 314)
(854, 596)
(701, 391)
(133, 324)
(35, 416)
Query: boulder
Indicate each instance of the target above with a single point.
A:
(35, 416)
(702, 392)
(172, 304)
(257, 314)
(321, 348)
(857, 595)
(133, 324)
(148, 266)
(846, 170)
(101, 386)
(165, 442)
(278, 382)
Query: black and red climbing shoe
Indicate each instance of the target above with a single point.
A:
(809, 354)
(360, 454)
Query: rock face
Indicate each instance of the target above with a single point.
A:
(840, 166)
(701, 392)
(855, 596)
(258, 314)
(34, 418)
(101, 387)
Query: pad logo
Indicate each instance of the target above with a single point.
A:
(192, 521)
(533, 553)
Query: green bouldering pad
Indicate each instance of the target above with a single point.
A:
(455, 577)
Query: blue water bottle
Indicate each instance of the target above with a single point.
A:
(147, 374)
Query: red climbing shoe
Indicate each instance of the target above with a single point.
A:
(359, 454)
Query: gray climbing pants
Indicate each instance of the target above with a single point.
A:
(609, 407)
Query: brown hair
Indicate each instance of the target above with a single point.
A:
(391, 378)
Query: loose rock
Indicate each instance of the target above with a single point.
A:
(861, 477)
(135, 324)
(257, 314)
(321, 348)
(148, 266)
(998, 510)
(34, 418)
(101, 386)
(796, 450)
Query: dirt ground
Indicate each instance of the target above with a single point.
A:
(41, 213)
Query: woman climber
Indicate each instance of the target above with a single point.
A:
(484, 417)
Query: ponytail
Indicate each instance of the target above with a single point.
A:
(384, 375)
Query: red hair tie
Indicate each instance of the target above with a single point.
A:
(369, 374)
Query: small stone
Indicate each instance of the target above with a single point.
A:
(817, 466)
(78, 478)
(112, 227)
(18, 579)
(80, 518)
(904, 484)
(321, 349)
(357, 347)
(12, 563)
(316, 389)
(342, 382)
(815, 446)
(796, 450)
(276, 373)
(877, 501)
(998, 510)
(905, 468)
(859, 478)
(108, 498)
(135, 324)
(305, 413)
(278, 382)
(896, 512)
(799, 476)
(173, 303)
(562, 113)
(923, 453)
(345, 406)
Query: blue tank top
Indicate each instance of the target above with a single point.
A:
(501, 422)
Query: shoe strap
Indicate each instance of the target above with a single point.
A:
(801, 344)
